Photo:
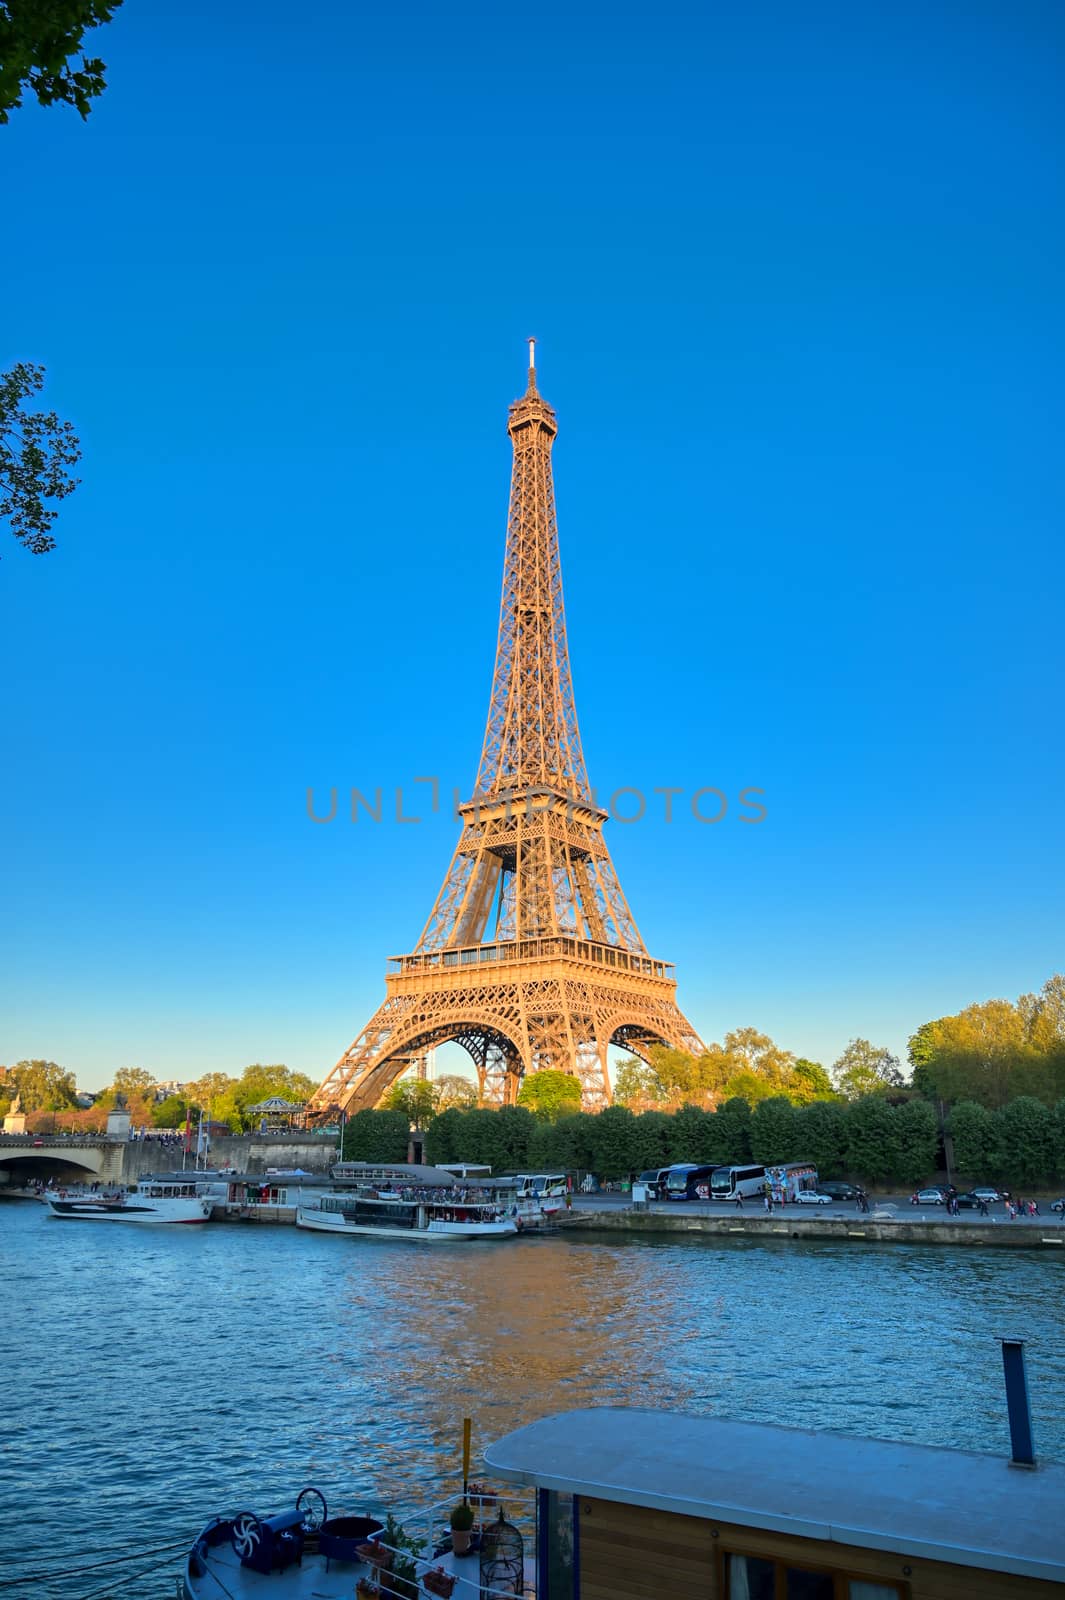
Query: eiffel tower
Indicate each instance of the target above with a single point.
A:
(530, 958)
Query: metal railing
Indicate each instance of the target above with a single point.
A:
(435, 1521)
(515, 950)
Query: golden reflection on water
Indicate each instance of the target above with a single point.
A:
(501, 1333)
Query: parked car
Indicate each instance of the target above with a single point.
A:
(929, 1197)
(838, 1190)
(1058, 1205)
(988, 1192)
(813, 1197)
(972, 1200)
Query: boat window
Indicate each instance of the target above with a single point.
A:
(761, 1578)
(800, 1584)
(750, 1579)
(556, 1519)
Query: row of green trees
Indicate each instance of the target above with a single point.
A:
(43, 1087)
(871, 1140)
(990, 1053)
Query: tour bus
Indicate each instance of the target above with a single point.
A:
(736, 1183)
(544, 1185)
(790, 1177)
(686, 1181)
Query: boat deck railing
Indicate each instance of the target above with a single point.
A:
(433, 1523)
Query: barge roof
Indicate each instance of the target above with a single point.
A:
(914, 1500)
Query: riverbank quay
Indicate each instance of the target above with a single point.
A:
(1032, 1234)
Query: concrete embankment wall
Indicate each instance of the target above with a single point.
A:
(857, 1229)
(250, 1152)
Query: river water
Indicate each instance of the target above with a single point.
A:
(154, 1376)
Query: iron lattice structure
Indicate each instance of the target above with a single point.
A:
(530, 957)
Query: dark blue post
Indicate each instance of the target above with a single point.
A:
(1017, 1404)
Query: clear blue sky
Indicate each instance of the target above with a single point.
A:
(797, 277)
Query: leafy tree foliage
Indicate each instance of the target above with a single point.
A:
(376, 1136)
(972, 1127)
(38, 39)
(774, 1131)
(916, 1142)
(690, 1135)
(1026, 1141)
(995, 1051)
(820, 1136)
(214, 1095)
(865, 1069)
(870, 1139)
(415, 1098)
(872, 1143)
(36, 451)
(258, 1083)
(42, 1086)
(134, 1081)
(443, 1137)
(500, 1138)
(732, 1128)
(170, 1113)
(454, 1090)
(615, 1143)
(748, 1066)
(550, 1094)
(1059, 1140)
(637, 1085)
(809, 1082)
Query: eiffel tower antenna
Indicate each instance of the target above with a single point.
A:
(530, 957)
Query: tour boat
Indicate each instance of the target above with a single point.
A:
(644, 1505)
(409, 1212)
(408, 1201)
(155, 1200)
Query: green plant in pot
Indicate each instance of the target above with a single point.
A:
(461, 1527)
(403, 1579)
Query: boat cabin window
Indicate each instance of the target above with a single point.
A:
(758, 1578)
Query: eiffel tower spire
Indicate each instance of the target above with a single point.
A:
(530, 957)
(532, 736)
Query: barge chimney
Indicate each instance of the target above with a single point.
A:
(1021, 1445)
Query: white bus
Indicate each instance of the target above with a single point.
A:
(789, 1178)
(543, 1185)
(736, 1183)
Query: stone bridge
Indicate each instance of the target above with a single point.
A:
(25, 1157)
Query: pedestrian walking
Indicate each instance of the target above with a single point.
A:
(769, 1201)
(739, 1202)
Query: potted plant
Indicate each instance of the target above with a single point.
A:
(461, 1525)
(403, 1581)
(366, 1589)
(375, 1554)
(437, 1581)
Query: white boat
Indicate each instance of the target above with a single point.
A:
(427, 1216)
(405, 1200)
(155, 1200)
